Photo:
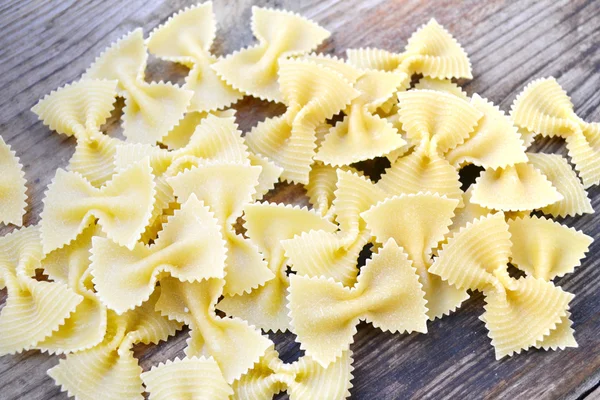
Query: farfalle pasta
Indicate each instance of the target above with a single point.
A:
(123, 206)
(313, 93)
(188, 378)
(417, 223)
(280, 34)
(302, 379)
(387, 294)
(234, 344)
(186, 38)
(33, 309)
(109, 367)
(544, 108)
(189, 247)
(267, 225)
(430, 51)
(477, 258)
(79, 110)
(151, 109)
(12, 180)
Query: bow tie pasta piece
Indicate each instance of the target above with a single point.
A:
(267, 225)
(79, 110)
(476, 258)
(544, 108)
(180, 135)
(441, 85)
(322, 181)
(430, 51)
(304, 379)
(226, 189)
(190, 248)
(110, 368)
(313, 94)
(235, 345)
(123, 206)
(388, 294)
(418, 222)
(519, 187)
(86, 326)
(190, 378)
(362, 134)
(33, 309)
(151, 109)
(186, 38)
(349, 72)
(495, 142)
(269, 175)
(12, 181)
(546, 249)
(281, 34)
(560, 174)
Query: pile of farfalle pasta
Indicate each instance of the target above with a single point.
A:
(139, 237)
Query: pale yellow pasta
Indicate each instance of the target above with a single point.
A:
(280, 34)
(267, 225)
(86, 325)
(226, 188)
(558, 171)
(186, 38)
(151, 109)
(430, 51)
(235, 345)
(363, 135)
(181, 134)
(495, 142)
(418, 222)
(546, 249)
(123, 206)
(33, 309)
(520, 187)
(476, 258)
(269, 175)
(313, 93)
(322, 181)
(197, 378)
(109, 368)
(349, 72)
(544, 108)
(12, 186)
(303, 379)
(441, 85)
(387, 294)
(190, 248)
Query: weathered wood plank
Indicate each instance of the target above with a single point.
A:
(44, 44)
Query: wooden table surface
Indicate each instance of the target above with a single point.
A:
(47, 43)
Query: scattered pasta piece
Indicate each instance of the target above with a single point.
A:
(281, 34)
(430, 51)
(86, 326)
(544, 108)
(418, 222)
(226, 189)
(235, 345)
(476, 258)
(186, 38)
(110, 367)
(12, 182)
(441, 85)
(267, 225)
(181, 134)
(79, 110)
(303, 379)
(189, 248)
(558, 171)
(123, 206)
(33, 309)
(151, 109)
(189, 378)
(313, 93)
(387, 294)
(519, 187)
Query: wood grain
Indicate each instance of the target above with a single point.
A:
(47, 43)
